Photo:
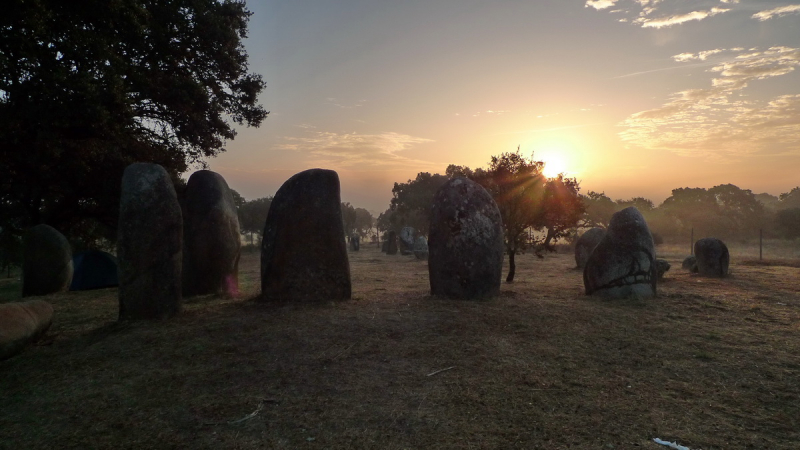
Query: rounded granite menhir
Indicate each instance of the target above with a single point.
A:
(586, 244)
(211, 239)
(149, 241)
(303, 252)
(465, 246)
(22, 323)
(47, 261)
(624, 262)
(713, 257)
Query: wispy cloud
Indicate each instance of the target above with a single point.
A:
(667, 13)
(777, 12)
(719, 121)
(347, 149)
(341, 104)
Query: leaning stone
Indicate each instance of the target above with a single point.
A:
(586, 244)
(690, 264)
(391, 249)
(47, 261)
(623, 263)
(211, 238)
(94, 269)
(22, 323)
(421, 248)
(662, 267)
(712, 257)
(465, 247)
(150, 238)
(303, 252)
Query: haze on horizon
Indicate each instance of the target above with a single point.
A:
(632, 97)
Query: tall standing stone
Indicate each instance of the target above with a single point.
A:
(624, 262)
(47, 261)
(391, 248)
(149, 244)
(712, 256)
(355, 242)
(421, 248)
(211, 238)
(407, 240)
(465, 246)
(586, 244)
(303, 253)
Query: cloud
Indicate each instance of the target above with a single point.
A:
(702, 56)
(779, 11)
(679, 18)
(600, 4)
(348, 149)
(718, 121)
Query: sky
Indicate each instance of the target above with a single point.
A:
(631, 97)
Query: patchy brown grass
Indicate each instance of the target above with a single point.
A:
(713, 364)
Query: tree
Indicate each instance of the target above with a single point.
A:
(518, 187)
(411, 201)
(599, 209)
(790, 199)
(788, 222)
(364, 221)
(87, 88)
(253, 216)
(348, 218)
(642, 204)
(563, 208)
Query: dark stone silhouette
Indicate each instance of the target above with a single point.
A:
(303, 253)
(712, 257)
(465, 246)
(47, 261)
(385, 246)
(22, 323)
(624, 262)
(662, 267)
(690, 264)
(355, 242)
(421, 248)
(211, 238)
(94, 270)
(586, 244)
(391, 248)
(407, 240)
(149, 243)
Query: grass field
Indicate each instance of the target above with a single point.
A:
(711, 364)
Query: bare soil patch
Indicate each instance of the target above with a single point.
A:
(711, 363)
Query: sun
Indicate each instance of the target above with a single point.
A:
(554, 160)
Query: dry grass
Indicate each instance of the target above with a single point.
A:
(713, 364)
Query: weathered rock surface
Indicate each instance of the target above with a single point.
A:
(211, 238)
(712, 257)
(586, 244)
(623, 263)
(662, 267)
(407, 240)
(690, 264)
(391, 248)
(149, 244)
(22, 323)
(465, 246)
(421, 248)
(303, 253)
(94, 269)
(47, 261)
(355, 242)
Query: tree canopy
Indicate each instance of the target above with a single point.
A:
(87, 88)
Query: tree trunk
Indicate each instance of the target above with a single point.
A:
(512, 267)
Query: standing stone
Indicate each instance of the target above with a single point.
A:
(211, 238)
(385, 246)
(355, 242)
(662, 267)
(47, 261)
(150, 238)
(407, 240)
(303, 253)
(690, 264)
(22, 323)
(465, 250)
(391, 248)
(94, 269)
(586, 244)
(712, 257)
(421, 248)
(623, 263)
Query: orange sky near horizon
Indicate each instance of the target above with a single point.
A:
(631, 97)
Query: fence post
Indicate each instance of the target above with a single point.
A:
(760, 243)
(691, 243)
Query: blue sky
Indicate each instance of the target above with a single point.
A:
(632, 97)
